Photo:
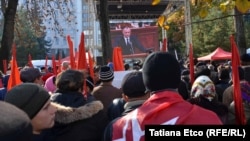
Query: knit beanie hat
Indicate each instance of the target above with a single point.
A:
(15, 125)
(161, 71)
(29, 97)
(132, 84)
(203, 86)
(106, 74)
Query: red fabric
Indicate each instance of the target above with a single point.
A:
(71, 52)
(46, 63)
(81, 63)
(118, 59)
(30, 61)
(218, 54)
(54, 65)
(239, 110)
(191, 64)
(15, 74)
(165, 107)
(91, 65)
(164, 45)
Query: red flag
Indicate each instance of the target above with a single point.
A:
(164, 46)
(14, 74)
(191, 64)
(59, 62)
(46, 64)
(91, 65)
(71, 51)
(4, 66)
(30, 61)
(117, 59)
(54, 65)
(82, 64)
(239, 111)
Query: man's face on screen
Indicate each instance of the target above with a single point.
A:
(126, 32)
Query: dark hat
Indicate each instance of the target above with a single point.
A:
(28, 74)
(29, 97)
(161, 71)
(199, 64)
(5, 80)
(132, 84)
(245, 57)
(15, 125)
(185, 72)
(106, 74)
(90, 82)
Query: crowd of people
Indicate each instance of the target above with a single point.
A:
(73, 106)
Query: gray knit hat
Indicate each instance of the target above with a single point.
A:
(15, 125)
(106, 73)
(29, 97)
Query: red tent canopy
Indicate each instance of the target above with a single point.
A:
(218, 54)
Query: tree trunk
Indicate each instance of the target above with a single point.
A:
(240, 32)
(105, 32)
(8, 31)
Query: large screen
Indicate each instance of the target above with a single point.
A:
(135, 37)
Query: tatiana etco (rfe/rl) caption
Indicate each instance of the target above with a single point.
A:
(206, 132)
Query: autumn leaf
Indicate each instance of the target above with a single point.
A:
(203, 13)
(155, 2)
(242, 5)
(166, 27)
(224, 5)
(161, 20)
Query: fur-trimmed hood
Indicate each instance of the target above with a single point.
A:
(67, 115)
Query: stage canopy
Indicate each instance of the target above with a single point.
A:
(218, 54)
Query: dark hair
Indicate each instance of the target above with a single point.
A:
(70, 80)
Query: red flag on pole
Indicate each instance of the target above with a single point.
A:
(81, 63)
(191, 64)
(71, 51)
(54, 65)
(30, 61)
(239, 110)
(46, 64)
(59, 62)
(164, 45)
(118, 59)
(14, 78)
(91, 64)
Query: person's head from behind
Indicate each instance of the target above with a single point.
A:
(34, 100)
(204, 87)
(90, 84)
(5, 80)
(31, 75)
(15, 125)
(126, 32)
(133, 87)
(65, 65)
(70, 80)
(106, 74)
(161, 71)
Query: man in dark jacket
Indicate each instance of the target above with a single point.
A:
(129, 43)
(134, 93)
